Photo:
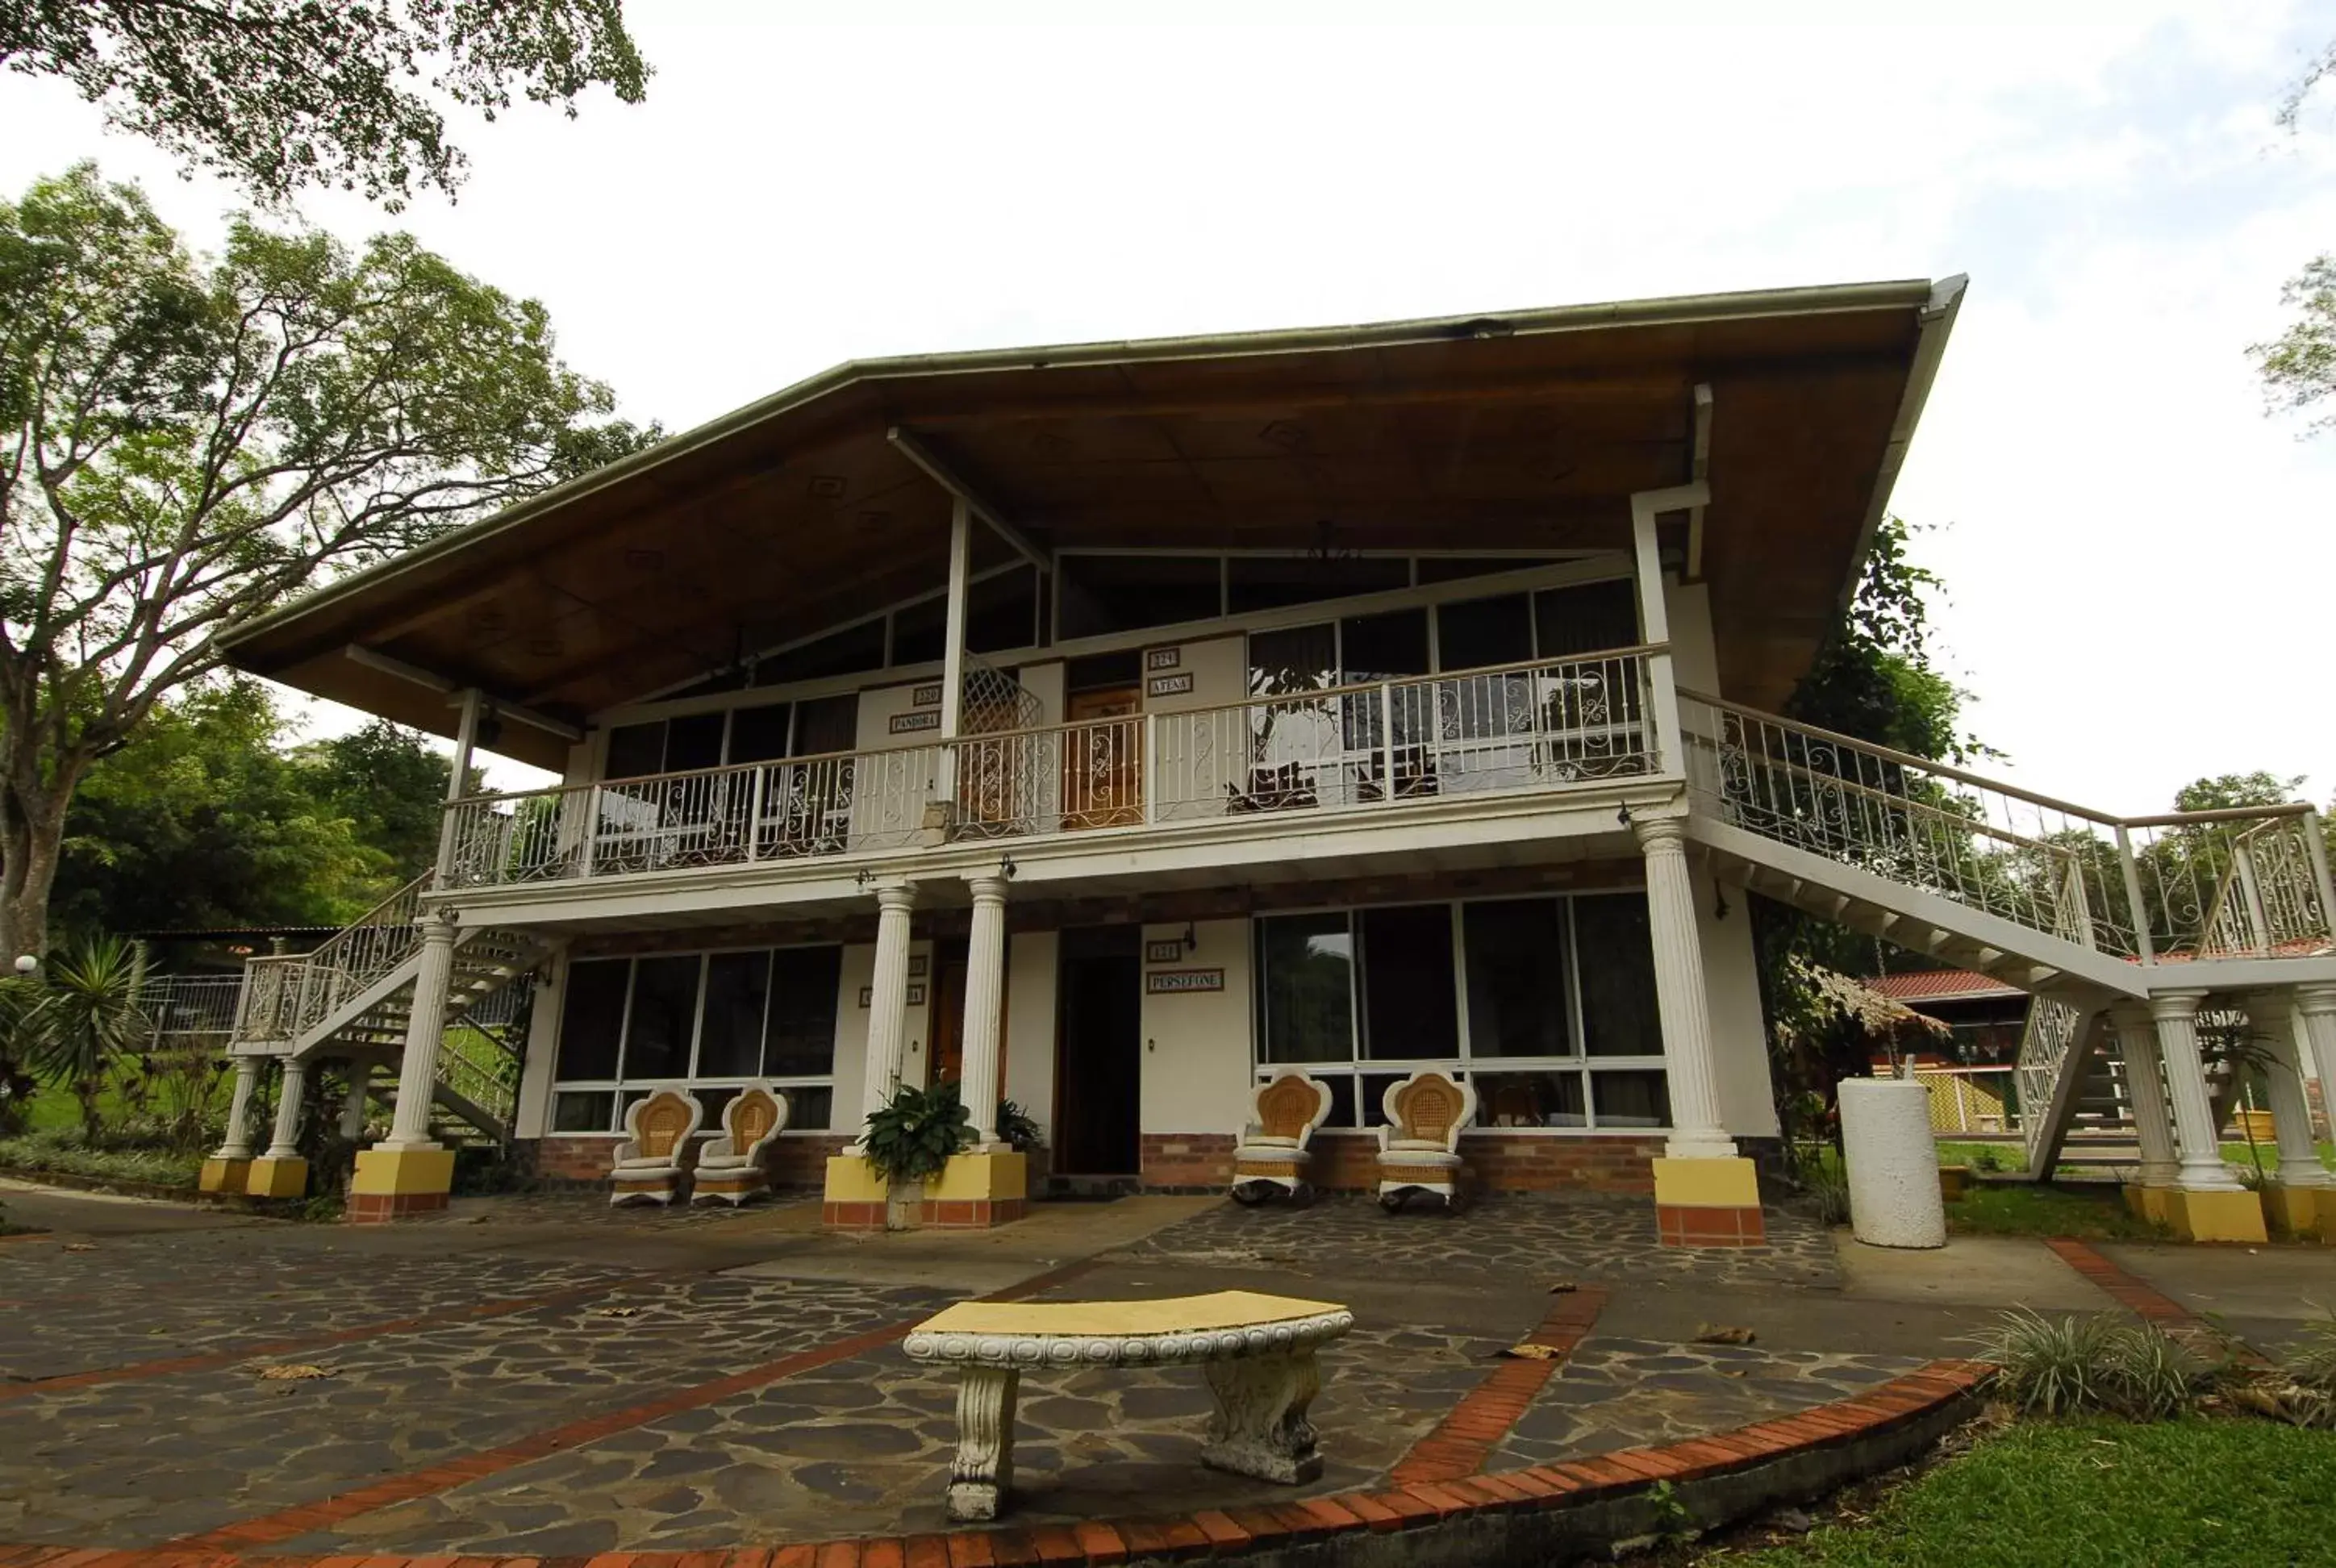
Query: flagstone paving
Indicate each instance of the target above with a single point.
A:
(558, 1381)
(1581, 1236)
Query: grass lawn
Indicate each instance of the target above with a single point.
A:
(2098, 1494)
(2094, 1211)
(2004, 1156)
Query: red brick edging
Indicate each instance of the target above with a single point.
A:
(1542, 1491)
(2145, 1301)
(1463, 1440)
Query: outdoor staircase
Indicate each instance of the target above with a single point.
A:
(354, 995)
(2079, 909)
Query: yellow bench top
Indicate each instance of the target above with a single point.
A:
(1172, 1315)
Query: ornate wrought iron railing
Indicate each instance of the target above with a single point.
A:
(1544, 724)
(285, 995)
(2250, 880)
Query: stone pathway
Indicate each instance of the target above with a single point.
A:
(1576, 1237)
(1620, 1393)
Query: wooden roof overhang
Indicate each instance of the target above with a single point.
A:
(1526, 431)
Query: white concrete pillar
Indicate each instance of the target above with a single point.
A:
(984, 997)
(2317, 1004)
(888, 997)
(286, 1144)
(2145, 1088)
(236, 1145)
(1680, 1000)
(353, 1108)
(2271, 1020)
(2176, 1015)
(425, 1028)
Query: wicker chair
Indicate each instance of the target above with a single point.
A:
(1419, 1148)
(730, 1167)
(1273, 1155)
(657, 1130)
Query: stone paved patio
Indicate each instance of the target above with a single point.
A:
(542, 1377)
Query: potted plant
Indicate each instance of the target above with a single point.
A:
(909, 1142)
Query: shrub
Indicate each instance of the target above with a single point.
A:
(2308, 1374)
(2064, 1366)
(1016, 1127)
(913, 1136)
(69, 1152)
(1827, 1187)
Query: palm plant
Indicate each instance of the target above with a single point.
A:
(88, 1014)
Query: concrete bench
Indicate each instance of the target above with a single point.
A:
(1256, 1352)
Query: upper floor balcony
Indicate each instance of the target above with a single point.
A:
(1295, 752)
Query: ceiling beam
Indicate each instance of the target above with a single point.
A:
(357, 653)
(1579, 389)
(916, 452)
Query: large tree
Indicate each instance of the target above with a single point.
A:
(185, 442)
(278, 94)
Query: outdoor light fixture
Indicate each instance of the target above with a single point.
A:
(26, 963)
(1623, 817)
(1191, 938)
(1718, 904)
(1006, 866)
(863, 878)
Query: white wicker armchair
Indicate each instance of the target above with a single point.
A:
(1419, 1148)
(730, 1167)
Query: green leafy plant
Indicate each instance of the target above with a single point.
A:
(2308, 1398)
(1016, 1127)
(911, 1138)
(2066, 1365)
(88, 1016)
(1827, 1187)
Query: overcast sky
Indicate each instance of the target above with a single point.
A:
(2140, 560)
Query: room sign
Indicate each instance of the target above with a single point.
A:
(1170, 983)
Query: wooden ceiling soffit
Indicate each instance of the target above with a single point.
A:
(961, 406)
(945, 472)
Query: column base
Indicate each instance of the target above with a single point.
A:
(399, 1183)
(2154, 1205)
(2215, 1216)
(977, 1191)
(271, 1176)
(854, 1197)
(223, 1175)
(2293, 1213)
(1709, 1203)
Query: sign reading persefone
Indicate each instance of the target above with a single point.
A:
(868, 996)
(1170, 982)
(1167, 953)
(1162, 657)
(926, 695)
(1170, 684)
(910, 723)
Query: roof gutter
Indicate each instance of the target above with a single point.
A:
(1938, 319)
(1674, 310)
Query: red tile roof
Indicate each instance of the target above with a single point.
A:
(1940, 986)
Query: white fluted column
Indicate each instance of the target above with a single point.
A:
(1681, 1001)
(353, 1108)
(286, 1144)
(2175, 1014)
(425, 1028)
(888, 999)
(236, 1145)
(2317, 1004)
(2271, 1019)
(2145, 1087)
(985, 996)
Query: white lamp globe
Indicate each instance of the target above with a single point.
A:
(26, 963)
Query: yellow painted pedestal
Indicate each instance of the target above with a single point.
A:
(394, 1184)
(2292, 1213)
(223, 1176)
(977, 1192)
(1709, 1203)
(285, 1178)
(854, 1195)
(2150, 1204)
(2327, 1202)
(2215, 1216)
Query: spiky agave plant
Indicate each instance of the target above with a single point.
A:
(88, 1013)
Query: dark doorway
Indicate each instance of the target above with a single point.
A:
(1098, 1052)
(945, 1020)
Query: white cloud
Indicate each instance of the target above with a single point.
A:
(2139, 559)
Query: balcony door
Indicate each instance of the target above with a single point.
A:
(1103, 758)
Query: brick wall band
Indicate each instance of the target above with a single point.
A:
(1496, 1162)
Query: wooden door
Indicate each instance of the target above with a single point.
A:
(945, 1018)
(1103, 763)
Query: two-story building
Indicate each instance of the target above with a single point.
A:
(1110, 726)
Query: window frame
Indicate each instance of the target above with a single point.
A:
(1583, 1064)
(622, 1084)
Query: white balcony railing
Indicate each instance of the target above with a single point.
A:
(1529, 726)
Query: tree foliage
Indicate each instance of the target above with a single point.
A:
(281, 95)
(2299, 366)
(88, 1014)
(184, 442)
(208, 818)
